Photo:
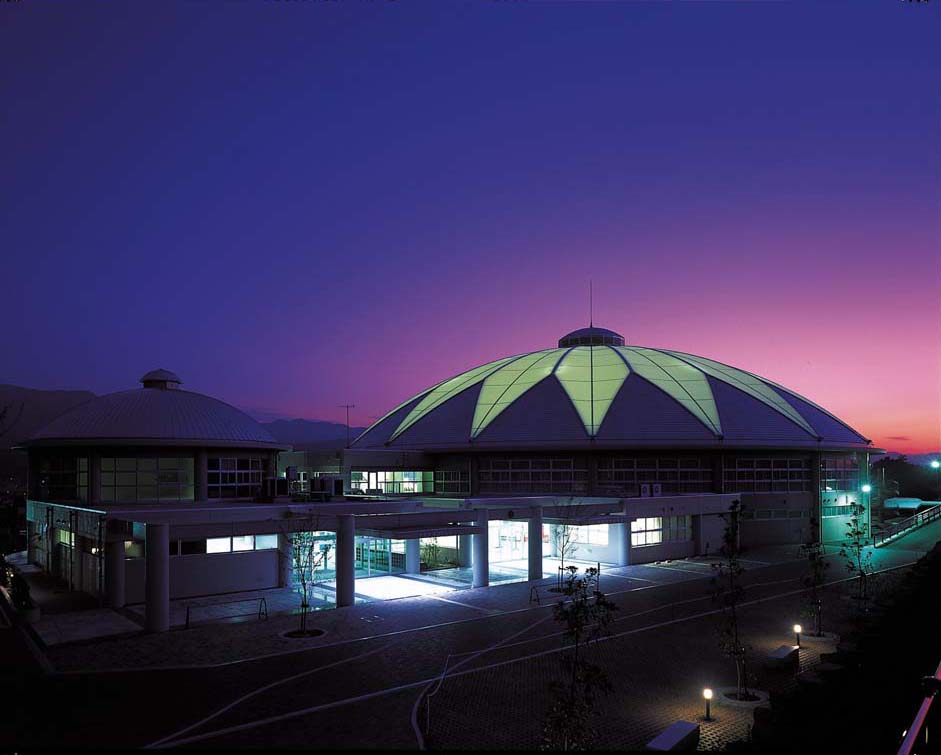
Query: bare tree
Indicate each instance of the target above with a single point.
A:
(586, 616)
(813, 579)
(857, 556)
(727, 592)
(566, 545)
(308, 558)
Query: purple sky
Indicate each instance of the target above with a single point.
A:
(295, 205)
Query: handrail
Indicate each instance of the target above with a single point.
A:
(909, 523)
(911, 735)
(262, 607)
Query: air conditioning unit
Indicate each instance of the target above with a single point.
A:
(657, 489)
(645, 490)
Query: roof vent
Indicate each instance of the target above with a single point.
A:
(591, 337)
(162, 379)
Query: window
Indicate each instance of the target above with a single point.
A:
(766, 474)
(218, 545)
(264, 542)
(839, 472)
(243, 543)
(675, 475)
(393, 482)
(508, 475)
(64, 479)
(452, 481)
(234, 477)
(594, 534)
(646, 531)
(147, 479)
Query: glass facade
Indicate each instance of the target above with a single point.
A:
(146, 479)
(234, 477)
(392, 483)
(839, 472)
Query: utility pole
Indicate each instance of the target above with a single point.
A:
(347, 407)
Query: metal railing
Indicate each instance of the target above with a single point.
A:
(914, 731)
(906, 525)
(262, 608)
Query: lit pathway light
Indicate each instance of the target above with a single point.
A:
(867, 488)
(797, 633)
(707, 695)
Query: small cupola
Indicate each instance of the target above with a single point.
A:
(161, 379)
(591, 336)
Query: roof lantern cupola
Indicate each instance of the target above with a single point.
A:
(161, 379)
(591, 336)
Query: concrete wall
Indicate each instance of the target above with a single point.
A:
(208, 574)
(777, 531)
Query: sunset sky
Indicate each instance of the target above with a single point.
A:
(297, 205)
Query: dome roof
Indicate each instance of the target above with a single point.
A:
(607, 395)
(153, 415)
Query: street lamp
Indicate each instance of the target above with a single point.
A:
(707, 696)
(797, 633)
(867, 488)
(936, 466)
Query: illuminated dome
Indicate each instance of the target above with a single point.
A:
(157, 414)
(593, 391)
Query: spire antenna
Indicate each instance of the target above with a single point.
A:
(591, 305)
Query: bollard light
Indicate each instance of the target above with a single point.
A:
(797, 633)
(707, 695)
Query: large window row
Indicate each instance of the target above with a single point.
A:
(452, 481)
(675, 475)
(540, 474)
(660, 529)
(839, 472)
(766, 474)
(234, 477)
(146, 480)
(392, 482)
(64, 479)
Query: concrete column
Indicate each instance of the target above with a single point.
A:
(201, 467)
(285, 561)
(114, 573)
(346, 560)
(413, 556)
(157, 577)
(94, 480)
(75, 554)
(30, 542)
(624, 545)
(535, 544)
(464, 550)
(481, 550)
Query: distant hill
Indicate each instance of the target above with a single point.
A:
(311, 434)
(29, 409)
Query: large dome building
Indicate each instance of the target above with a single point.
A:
(596, 417)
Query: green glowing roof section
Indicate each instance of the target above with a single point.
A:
(386, 416)
(449, 388)
(503, 386)
(592, 376)
(750, 384)
(678, 379)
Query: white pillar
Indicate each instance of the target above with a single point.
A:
(624, 544)
(285, 560)
(464, 549)
(481, 550)
(346, 560)
(75, 569)
(157, 577)
(413, 556)
(535, 544)
(114, 573)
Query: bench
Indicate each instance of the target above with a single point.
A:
(680, 735)
(784, 655)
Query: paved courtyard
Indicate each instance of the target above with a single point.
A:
(244, 684)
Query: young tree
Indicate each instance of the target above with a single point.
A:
(727, 592)
(308, 557)
(813, 579)
(856, 554)
(430, 552)
(586, 615)
(566, 544)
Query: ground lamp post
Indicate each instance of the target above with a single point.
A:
(936, 466)
(707, 696)
(797, 633)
